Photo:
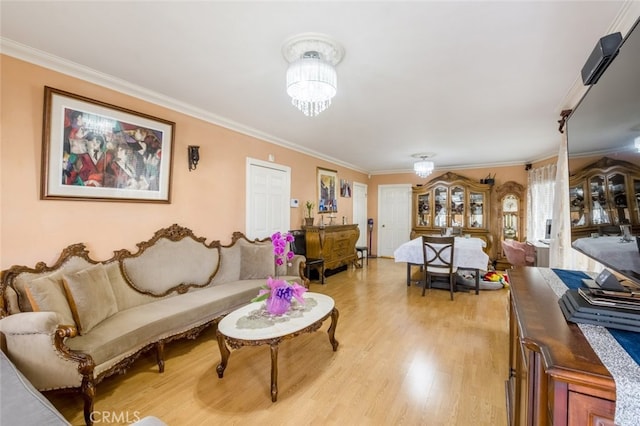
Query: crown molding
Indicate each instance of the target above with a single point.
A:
(46, 60)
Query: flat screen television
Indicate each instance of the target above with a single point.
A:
(601, 132)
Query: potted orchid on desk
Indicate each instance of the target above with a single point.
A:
(279, 293)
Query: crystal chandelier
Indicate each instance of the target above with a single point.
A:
(423, 168)
(311, 77)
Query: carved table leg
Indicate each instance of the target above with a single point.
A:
(332, 329)
(224, 354)
(274, 372)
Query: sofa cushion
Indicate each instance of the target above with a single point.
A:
(90, 296)
(47, 294)
(129, 330)
(229, 263)
(257, 261)
(71, 264)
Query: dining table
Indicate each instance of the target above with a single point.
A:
(468, 254)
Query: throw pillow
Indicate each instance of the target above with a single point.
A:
(257, 261)
(46, 294)
(90, 297)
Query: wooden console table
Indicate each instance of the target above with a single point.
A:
(555, 377)
(336, 244)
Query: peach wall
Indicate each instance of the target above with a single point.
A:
(209, 200)
(502, 175)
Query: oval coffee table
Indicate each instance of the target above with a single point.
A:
(251, 326)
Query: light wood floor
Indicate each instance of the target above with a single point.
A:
(402, 359)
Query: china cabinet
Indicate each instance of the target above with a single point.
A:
(604, 195)
(509, 208)
(455, 202)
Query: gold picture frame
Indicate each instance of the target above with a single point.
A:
(92, 150)
(327, 190)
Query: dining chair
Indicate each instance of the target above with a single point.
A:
(438, 260)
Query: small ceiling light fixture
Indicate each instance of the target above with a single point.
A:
(312, 80)
(423, 168)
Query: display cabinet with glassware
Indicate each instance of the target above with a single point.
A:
(603, 196)
(452, 202)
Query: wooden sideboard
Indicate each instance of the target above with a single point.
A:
(555, 377)
(335, 243)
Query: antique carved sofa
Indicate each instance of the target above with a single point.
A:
(70, 325)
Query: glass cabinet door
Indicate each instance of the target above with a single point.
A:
(510, 220)
(440, 207)
(618, 199)
(576, 205)
(599, 213)
(457, 206)
(476, 210)
(424, 210)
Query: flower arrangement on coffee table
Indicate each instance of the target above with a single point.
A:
(279, 293)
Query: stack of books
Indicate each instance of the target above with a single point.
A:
(607, 308)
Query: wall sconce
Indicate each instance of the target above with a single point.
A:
(193, 156)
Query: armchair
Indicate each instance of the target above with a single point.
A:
(519, 253)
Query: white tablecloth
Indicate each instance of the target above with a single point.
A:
(611, 252)
(467, 253)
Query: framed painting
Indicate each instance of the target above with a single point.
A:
(327, 190)
(92, 150)
(345, 188)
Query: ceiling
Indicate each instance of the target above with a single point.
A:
(476, 83)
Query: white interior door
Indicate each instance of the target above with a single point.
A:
(268, 193)
(394, 217)
(360, 211)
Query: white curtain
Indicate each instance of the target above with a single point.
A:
(540, 195)
(560, 252)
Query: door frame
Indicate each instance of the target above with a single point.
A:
(381, 204)
(286, 206)
(362, 226)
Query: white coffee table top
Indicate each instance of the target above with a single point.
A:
(247, 323)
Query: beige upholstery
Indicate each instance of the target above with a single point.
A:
(257, 261)
(46, 294)
(70, 265)
(90, 297)
(196, 262)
